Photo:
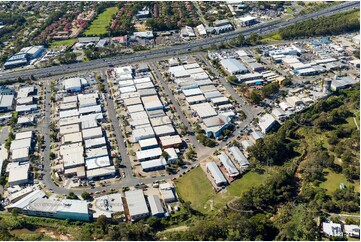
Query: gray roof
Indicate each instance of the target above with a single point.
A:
(216, 173)
(238, 156)
(233, 65)
(227, 163)
(155, 205)
(136, 203)
(6, 101)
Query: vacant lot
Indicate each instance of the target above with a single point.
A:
(60, 44)
(194, 187)
(101, 22)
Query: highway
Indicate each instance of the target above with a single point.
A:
(175, 49)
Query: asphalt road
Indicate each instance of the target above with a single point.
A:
(176, 49)
(117, 131)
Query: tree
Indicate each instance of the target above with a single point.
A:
(102, 222)
(255, 97)
(232, 79)
(72, 196)
(15, 212)
(85, 196)
(165, 154)
(270, 89)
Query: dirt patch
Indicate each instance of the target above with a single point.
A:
(54, 234)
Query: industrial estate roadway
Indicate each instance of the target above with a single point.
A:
(202, 151)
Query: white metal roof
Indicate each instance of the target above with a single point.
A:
(136, 203)
(155, 205)
(238, 156)
(150, 153)
(216, 173)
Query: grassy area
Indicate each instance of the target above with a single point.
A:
(195, 188)
(333, 182)
(62, 43)
(289, 11)
(100, 24)
(238, 187)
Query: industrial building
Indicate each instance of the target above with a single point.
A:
(74, 84)
(216, 173)
(167, 192)
(107, 205)
(156, 207)
(233, 66)
(100, 172)
(239, 157)
(150, 143)
(18, 174)
(267, 122)
(35, 204)
(170, 141)
(149, 154)
(7, 103)
(247, 21)
(153, 165)
(228, 165)
(204, 110)
(138, 208)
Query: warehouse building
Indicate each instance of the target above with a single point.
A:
(137, 205)
(247, 21)
(143, 133)
(233, 66)
(159, 121)
(20, 155)
(72, 138)
(92, 133)
(227, 163)
(170, 141)
(7, 103)
(164, 130)
(167, 192)
(216, 173)
(74, 84)
(108, 171)
(192, 92)
(153, 165)
(152, 103)
(108, 205)
(73, 128)
(96, 152)
(204, 110)
(156, 207)
(239, 157)
(18, 174)
(19, 144)
(267, 123)
(72, 155)
(149, 154)
(147, 144)
(97, 162)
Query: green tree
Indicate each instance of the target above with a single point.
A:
(102, 223)
(255, 97)
(85, 196)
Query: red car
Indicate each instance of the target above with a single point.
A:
(103, 191)
(91, 194)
